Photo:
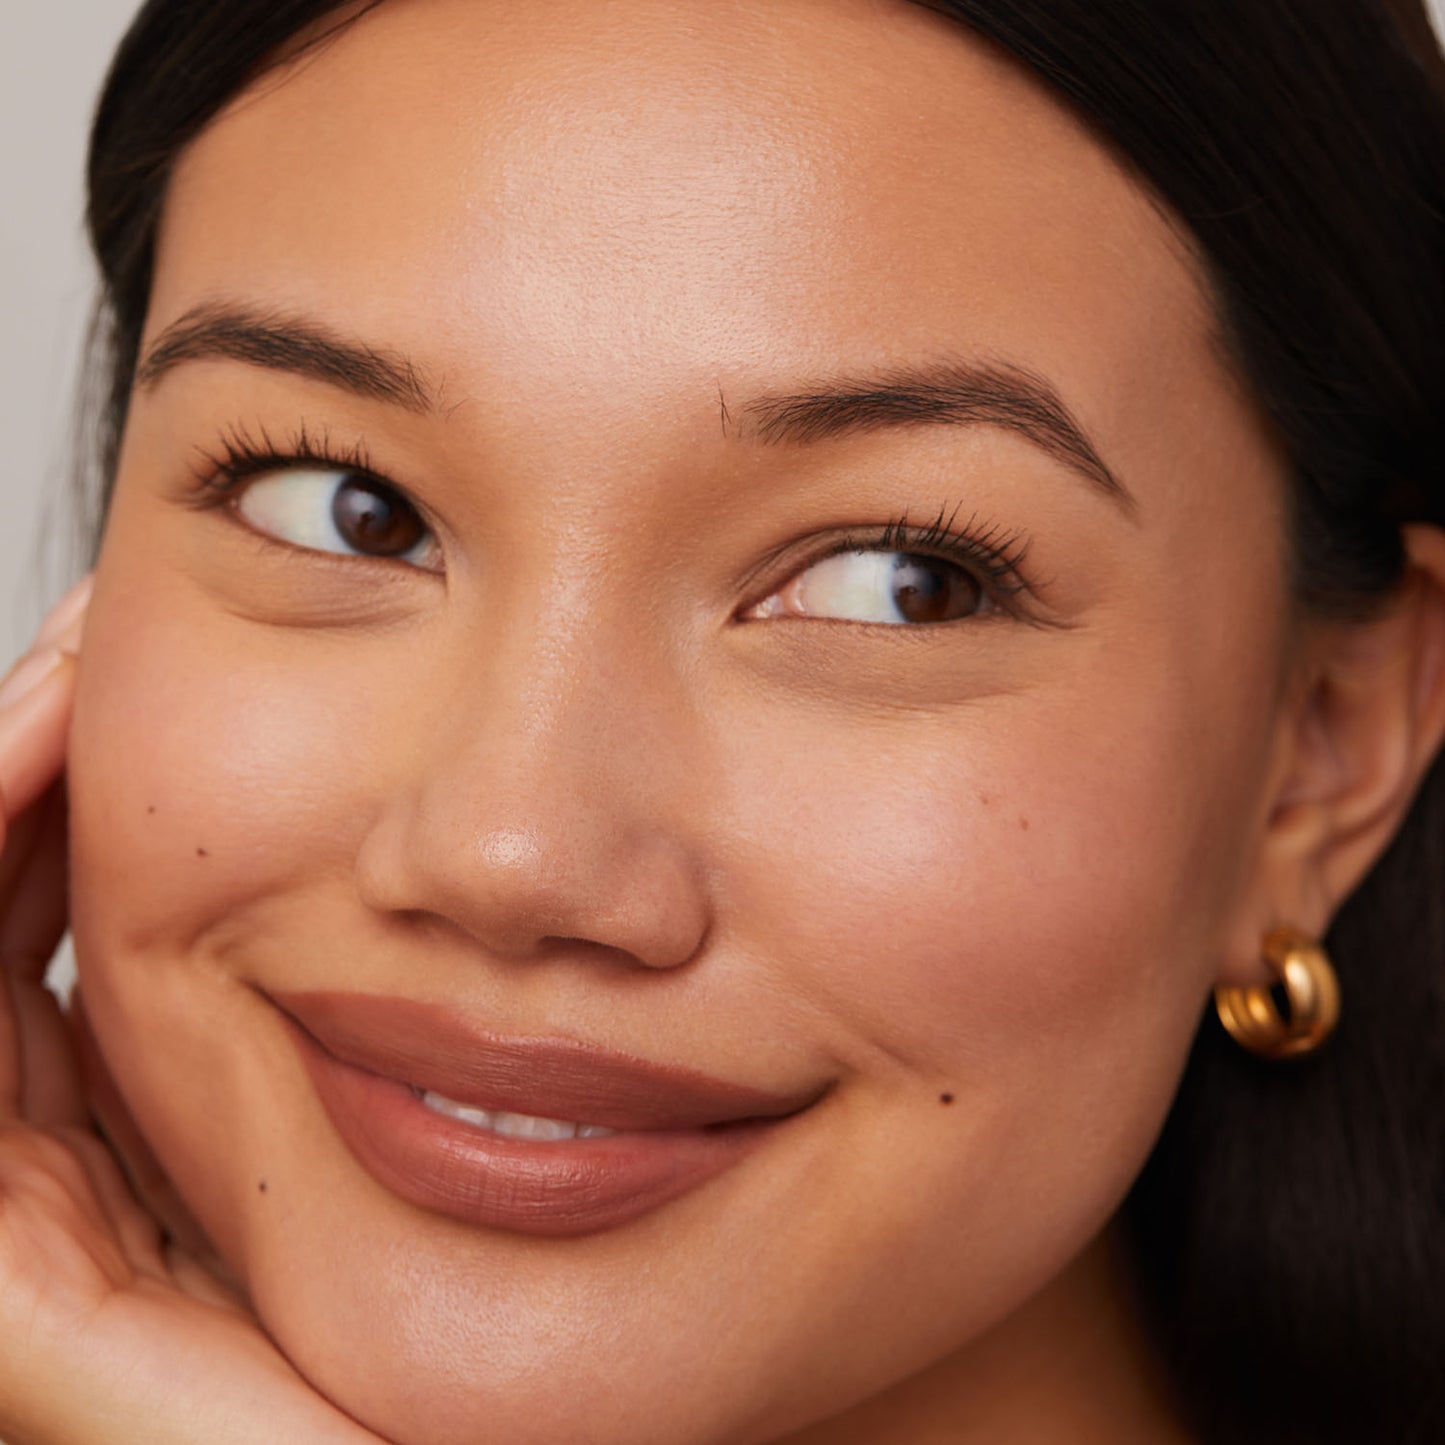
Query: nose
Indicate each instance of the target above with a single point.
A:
(543, 808)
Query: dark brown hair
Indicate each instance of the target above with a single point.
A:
(1289, 1228)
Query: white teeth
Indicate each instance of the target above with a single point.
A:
(513, 1126)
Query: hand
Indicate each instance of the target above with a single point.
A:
(110, 1330)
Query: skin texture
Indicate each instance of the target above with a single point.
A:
(568, 784)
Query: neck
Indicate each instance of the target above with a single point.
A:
(1071, 1367)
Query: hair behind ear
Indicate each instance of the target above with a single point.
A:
(1301, 1206)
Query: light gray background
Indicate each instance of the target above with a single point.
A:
(52, 56)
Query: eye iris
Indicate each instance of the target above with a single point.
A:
(928, 589)
(374, 520)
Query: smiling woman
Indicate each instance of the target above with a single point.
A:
(725, 635)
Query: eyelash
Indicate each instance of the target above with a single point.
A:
(997, 557)
(994, 555)
(240, 455)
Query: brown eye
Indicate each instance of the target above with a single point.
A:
(374, 520)
(324, 510)
(929, 589)
(879, 586)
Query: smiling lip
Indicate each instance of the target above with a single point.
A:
(370, 1057)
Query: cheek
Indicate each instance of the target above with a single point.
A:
(217, 787)
(1005, 909)
(200, 775)
(957, 876)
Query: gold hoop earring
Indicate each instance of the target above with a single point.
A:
(1304, 969)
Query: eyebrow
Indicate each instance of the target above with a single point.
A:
(278, 341)
(951, 393)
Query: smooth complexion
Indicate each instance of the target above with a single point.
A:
(610, 753)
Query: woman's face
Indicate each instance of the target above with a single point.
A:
(832, 661)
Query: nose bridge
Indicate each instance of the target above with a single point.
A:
(574, 690)
(543, 797)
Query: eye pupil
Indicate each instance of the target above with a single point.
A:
(374, 520)
(929, 589)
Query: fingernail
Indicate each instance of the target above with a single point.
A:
(65, 611)
(28, 674)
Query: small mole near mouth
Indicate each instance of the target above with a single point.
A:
(201, 853)
(151, 808)
(945, 1098)
(261, 1187)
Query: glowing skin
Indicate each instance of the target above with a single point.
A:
(570, 771)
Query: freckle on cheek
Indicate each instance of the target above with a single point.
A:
(945, 1098)
(202, 853)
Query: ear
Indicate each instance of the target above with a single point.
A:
(1360, 729)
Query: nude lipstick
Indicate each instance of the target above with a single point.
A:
(539, 1136)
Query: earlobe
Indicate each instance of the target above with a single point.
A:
(1366, 721)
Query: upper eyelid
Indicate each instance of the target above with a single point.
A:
(238, 452)
(945, 549)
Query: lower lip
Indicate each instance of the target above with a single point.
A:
(559, 1188)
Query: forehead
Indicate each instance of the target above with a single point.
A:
(648, 193)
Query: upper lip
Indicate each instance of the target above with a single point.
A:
(434, 1048)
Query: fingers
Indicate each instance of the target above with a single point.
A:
(61, 619)
(32, 729)
(140, 1236)
(53, 1223)
(51, 1093)
(38, 1075)
(35, 703)
(33, 912)
(35, 1060)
